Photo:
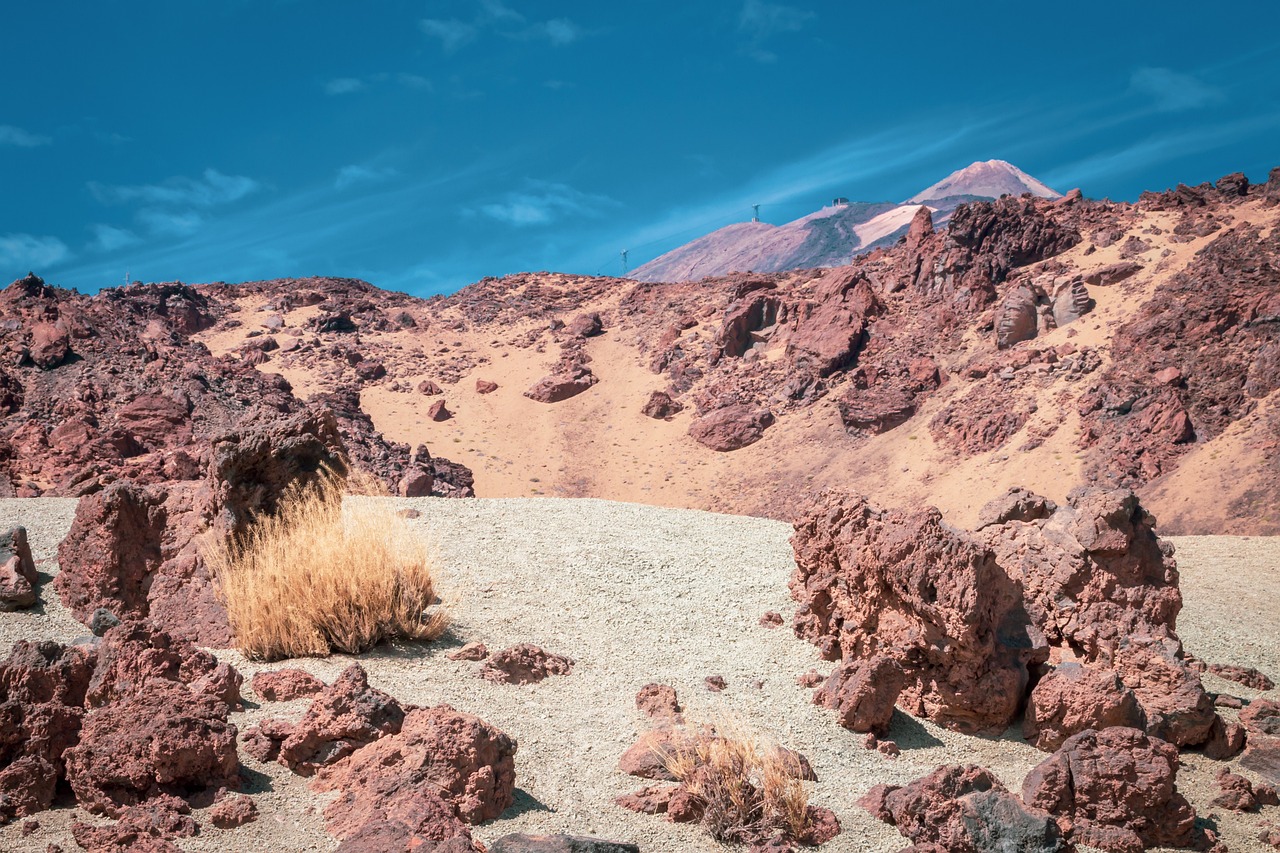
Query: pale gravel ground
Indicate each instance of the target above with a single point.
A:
(638, 594)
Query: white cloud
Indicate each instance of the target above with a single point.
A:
(10, 135)
(31, 252)
(760, 21)
(544, 202)
(1173, 91)
(108, 238)
(212, 188)
(452, 33)
(356, 174)
(343, 86)
(495, 10)
(558, 31)
(170, 223)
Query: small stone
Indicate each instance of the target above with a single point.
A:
(471, 651)
(715, 683)
(102, 621)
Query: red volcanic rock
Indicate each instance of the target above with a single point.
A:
(1262, 753)
(575, 379)
(233, 811)
(651, 800)
(584, 326)
(147, 827)
(133, 657)
(471, 651)
(1116, 790)
(964, 809)
(658, 701)
(284, 685)
(49, 346)
(524, 664)
(661, 406)
(863, 692)
(1018, 316)
(649, 756)
(419, 821)
(157, 420)
(1100, 553)
(877, 409)
(42, 687)
(17, 570)
(522, 843)
(812, 678)
(348, 715)
(1226, 739)
(484, 386)
(906, 587)
(1017, 504)
(771, 619)
(829, 336)
(440, 751)
(437, 412)
(1072, 698)
(1248, 676)
(1239, 795)
(715, 683)
(165, 739)
(1113, 273)
(429, 388)
(982, 420)
(370, 371)
(731, 428)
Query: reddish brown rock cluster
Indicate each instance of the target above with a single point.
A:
(1068, 611)
(524, 663)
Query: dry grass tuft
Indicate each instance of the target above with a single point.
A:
(750, 788)
(314, 579)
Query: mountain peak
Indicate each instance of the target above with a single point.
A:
(987, 178)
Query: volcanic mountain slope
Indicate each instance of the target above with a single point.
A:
(1030, 342)
(836, 234)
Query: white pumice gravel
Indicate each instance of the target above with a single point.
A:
(637, 594)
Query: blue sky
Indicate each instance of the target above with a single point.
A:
(425, 145)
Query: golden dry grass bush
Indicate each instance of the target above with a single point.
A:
(317, 577)
(750, 786)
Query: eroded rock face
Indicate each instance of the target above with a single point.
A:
(165, 739)
(1071, 698)
(661, 406)
(903, 586)
(1116, 790)
(1262, 753)
(964, 809)
(863, 691)
(440, 751)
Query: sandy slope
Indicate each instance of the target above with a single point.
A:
(637, 594)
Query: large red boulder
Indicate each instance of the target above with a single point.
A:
(133, 656)
(964, 809)
(165, 739)
(570, 381)
(348, 715)
(732, 427)
(17, 570)
(906, 587)
(863, 691)
(49, 346)
(1071, 698)
(1114, 789)
(440, 751)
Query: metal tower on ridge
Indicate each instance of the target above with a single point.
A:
(756, 216)
(624, 263)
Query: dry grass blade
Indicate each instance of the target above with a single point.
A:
(317, 577)
(750, 786)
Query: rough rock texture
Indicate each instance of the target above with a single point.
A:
(438, 751)
(165, 739)
(1248, 676)
(1114, 789)
(661, 406)
(964, 809)
(147, 827)
(1262, 752)
(562, 385)
(731, 428)
(233, 811)
(953, 626)
(1240, 795)
(524, 664)
(349, 714)
(658, 701)
(523, 843)
(17, 571)
(283, 685)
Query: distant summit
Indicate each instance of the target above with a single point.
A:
(835, 234)
(989, 179)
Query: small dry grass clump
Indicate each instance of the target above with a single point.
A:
(313, 579)
(747, 787)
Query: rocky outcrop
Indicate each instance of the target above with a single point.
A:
(284, 685)
(964, 809)
(1114, 789)
(956, 627)
(17, 570)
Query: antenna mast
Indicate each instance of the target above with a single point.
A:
(624, 263)
(756, 216)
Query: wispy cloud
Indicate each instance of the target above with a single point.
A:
(493, 15)
(760, 21)
(170, 223)
(108, 238)
(356, 174)
(343, 86)
(542, 203)
(26, 251)
(211, 188)
(1173, 91)
(10, 135)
